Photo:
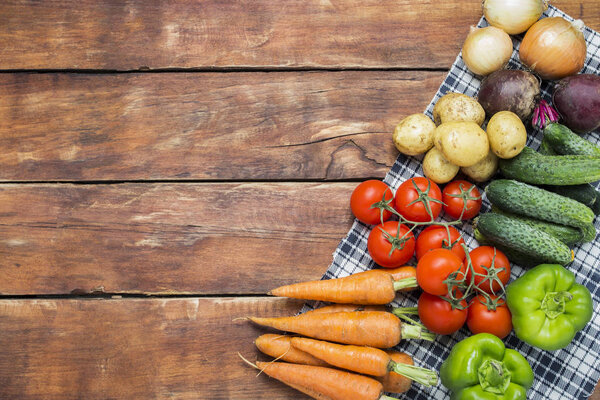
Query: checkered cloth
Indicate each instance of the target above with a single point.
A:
(570, 373)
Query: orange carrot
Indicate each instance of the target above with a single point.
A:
(363, 328)
(324, 383)
(369, 287)
(346, 307)
(393, 382)
(363, 359)
(405, 274)
(279, 346)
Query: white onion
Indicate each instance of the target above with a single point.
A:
(513, 16)
(486, 50)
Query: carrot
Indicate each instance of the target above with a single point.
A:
(393, 382)
(369, 287)
(324, 383)
(279, 347)
(346, 307)
(407, 275)
(363, 359)
(363, 328)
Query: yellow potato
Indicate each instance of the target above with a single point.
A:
(414, 134)
(507, 134)
(437, 168)
(484, 169)
(458, 107)
(462, 143)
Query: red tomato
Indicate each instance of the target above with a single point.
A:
(408, 205)
(454, 196)
(497, 322)
(436, 236)
(434, 267)
(380, 245)
(364, 196)
(438, 316)
(481, 259)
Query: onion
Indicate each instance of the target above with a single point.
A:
(554, 48)
(486, 50)
(513, 16)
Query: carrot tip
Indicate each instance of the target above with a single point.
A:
(241, 319)
(247, 362)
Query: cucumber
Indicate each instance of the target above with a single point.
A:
(521, 237)
(585, 193)
(566, 234)
(523, 199)
(532, 167)
(515, 256)
(564, 141)
(546, 149)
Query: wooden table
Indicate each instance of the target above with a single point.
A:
(164, 163)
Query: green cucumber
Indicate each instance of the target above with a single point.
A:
(585, 193)
(546, 149)
(521, 237)
(515, 256)
(523, 199)
(566, 234)
(531, 167)
(564, 141)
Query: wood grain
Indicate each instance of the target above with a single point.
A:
(211, 126)
(168, 238)
(135, 349)
(118, 35)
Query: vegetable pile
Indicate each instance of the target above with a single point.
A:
(544, 203)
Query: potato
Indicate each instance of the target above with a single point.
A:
(437, 168)
(462, 143)
(458, 107)
(484, 169)
(507, 134)
(414, 134)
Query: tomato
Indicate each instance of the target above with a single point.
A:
(364, 196)
(380, 245)
(436, 236)
(407, 201)
(434, 267)
(497, 322)
(481, 259)
(454, 196)
(438, 316)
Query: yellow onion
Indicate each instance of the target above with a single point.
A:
(486, 50)
(554, 48)
(513, 16)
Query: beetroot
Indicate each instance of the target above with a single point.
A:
(577, 100)
(509, 90)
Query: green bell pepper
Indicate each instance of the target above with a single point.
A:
(481, 368)
(548, 308)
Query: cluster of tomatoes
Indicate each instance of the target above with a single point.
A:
(458, 286)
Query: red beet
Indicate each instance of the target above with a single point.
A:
(509, 90)
(577, 100)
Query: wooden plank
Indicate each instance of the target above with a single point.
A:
(168, 238)
(135, 349)
(211, 126)
(117, 35)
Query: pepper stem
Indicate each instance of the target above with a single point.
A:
(424, 376)
(494, 377)
(409, 331)
(405, 283)
(554, 303)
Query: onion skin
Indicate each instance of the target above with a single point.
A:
(554, 48)
(509, 90)
(513, 16)
(577, 100)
